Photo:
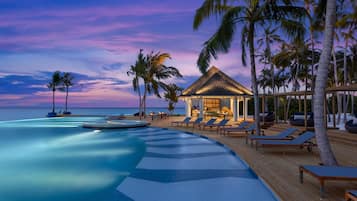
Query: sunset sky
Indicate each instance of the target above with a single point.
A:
(98, 42)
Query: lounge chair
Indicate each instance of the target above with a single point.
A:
(196, 122)
(185, 121)
(283, 135)
(300, 141)
(240, 126)
(208, 123)
(239, 132)
(351, 195)
(219, 124)
(323, 173)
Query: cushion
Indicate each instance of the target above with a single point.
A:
(299, 117)
(354, 120)
(263, 114)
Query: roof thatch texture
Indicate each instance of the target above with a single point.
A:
(216, 83)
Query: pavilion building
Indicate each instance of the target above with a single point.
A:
(215, 94)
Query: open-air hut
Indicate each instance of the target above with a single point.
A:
(215, 94)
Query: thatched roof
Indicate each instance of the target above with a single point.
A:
(216, 83)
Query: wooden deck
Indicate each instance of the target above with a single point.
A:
(281, 170)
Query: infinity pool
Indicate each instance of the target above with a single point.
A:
(56, 159)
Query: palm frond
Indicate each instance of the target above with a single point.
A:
(209, 8)
(293, 29)
(244, 36)
(221, 40)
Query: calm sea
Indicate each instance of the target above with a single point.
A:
(29, 113)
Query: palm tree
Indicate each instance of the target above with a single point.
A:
(152, 70)
(326, 154)
(348, 35)
(67, 81)
(250, 15)
(138, 71)
(171, 95)
(296, 56)
(268, 38)
(52, 85)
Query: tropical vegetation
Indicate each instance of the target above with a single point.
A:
(53, 86)
(289, 52)
(149, 73)
(172, 92)
(67, 80)
(60, 81)
(249, 16)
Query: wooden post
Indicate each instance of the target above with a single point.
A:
(325, 110)
(334, 110)
(299, 103)
(263, 108)
(305, 111)
(285, 115)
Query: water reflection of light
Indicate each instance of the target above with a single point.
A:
(72, 138)
(87, 142)
(59, 179)
(94, 153)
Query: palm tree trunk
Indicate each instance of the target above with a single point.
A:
(272, 78)
(140, 101)
(144, 101)
(312, 68)
(326, 154)
(53, 100)
(66, 99)
(345, 81)
(339, 104)
(254, 77)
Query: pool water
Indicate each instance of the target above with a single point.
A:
(56, 159)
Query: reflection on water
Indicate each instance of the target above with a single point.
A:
(56, 159)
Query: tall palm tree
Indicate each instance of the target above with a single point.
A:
(171, 95)
(67, 81)
(52, 85)
(269, 38)
(326, 154)
(138, 71)
(250, 15)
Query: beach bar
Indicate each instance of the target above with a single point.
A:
(215, 94)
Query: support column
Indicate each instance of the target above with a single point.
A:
(238, 109)
(245, 108)
(201, 107)
(235, 114)
(334, 110)
(188, 107)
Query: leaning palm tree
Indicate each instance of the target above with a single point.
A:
(249, 15)
(171, 95)
(52, 85)
(67, 81)
(138, 71)
(326, 154)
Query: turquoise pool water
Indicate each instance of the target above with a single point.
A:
(56, 159)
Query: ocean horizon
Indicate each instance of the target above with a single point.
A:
(17, 113)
